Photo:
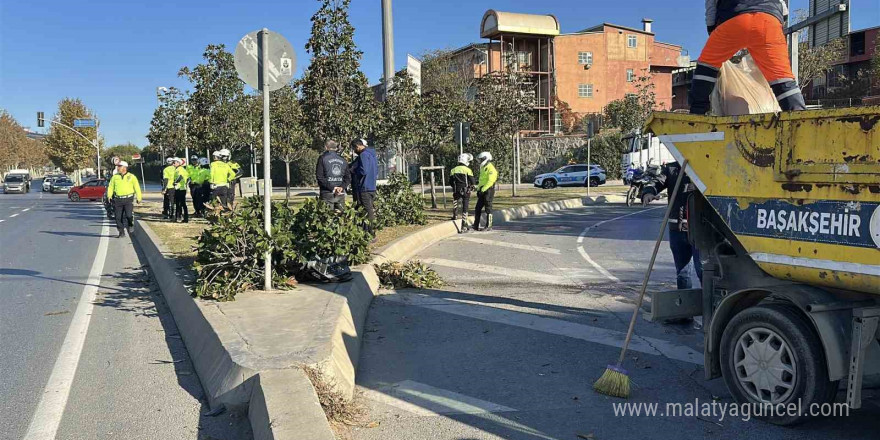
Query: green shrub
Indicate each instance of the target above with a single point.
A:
(397, 204)
(317, 231)
(230, 251)
(606, 150)
(410, 274)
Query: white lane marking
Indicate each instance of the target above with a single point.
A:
(586, 256)
(529, 321)
(14, 215)
(424, 400)
(503, 272)
(25, 209)
(1, 221)
(47, 417)
(525, 247)
(596, 265)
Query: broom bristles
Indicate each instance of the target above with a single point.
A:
(614, 382)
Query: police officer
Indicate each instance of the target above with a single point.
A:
(333, 176)
(197, 177)
(462, 179)
(167, 189)
(205, 174)
(181, 182)
(123, 190)
(485, 190)
(226, 155)
(221, 175)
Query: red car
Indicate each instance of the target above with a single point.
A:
(92, 190)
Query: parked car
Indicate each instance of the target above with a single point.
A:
(61, 185)
(92, 190)
(571, 175)
(19, 183)
(47, 183)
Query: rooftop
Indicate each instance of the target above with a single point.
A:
(495, 23)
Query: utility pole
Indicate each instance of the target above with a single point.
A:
(267, 183)
(387, 44)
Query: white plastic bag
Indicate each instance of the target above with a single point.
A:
(742, 90)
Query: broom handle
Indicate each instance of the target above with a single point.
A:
(632, 322)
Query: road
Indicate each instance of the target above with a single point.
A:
(532, 314)
(89, 348)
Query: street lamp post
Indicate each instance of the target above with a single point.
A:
(160, 90)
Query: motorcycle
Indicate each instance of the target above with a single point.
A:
(631, 174)
(650, 185)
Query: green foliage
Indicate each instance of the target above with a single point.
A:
(337, 100)
(503, 109)
(167, 128)
(398, 204)
(605, 150)
(230, 252)
(122, 151)
(66, 149)
(317, 231)
(410, 274)
(632, 111)
(218, 112)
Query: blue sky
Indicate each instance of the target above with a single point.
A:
(113, 54)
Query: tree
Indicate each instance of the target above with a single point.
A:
(217, 109)
(16, 149)
(503, 109)
(632, 111)
(817, 62)
(399, 114)
(168, 126)
(122, 151)
(66, 149)
(289, 137)
(337, 101)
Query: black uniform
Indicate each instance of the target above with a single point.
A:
(331, 172)
(682, 250)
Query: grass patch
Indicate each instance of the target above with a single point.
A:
(180, 238)
(337, 409)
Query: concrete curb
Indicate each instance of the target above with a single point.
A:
(280, 400)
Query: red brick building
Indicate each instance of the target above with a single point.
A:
(861, 49)
(585, 69)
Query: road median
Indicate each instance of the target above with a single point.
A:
(249, 353)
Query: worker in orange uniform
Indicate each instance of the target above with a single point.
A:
(755, 25)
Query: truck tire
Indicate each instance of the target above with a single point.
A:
(773, 345)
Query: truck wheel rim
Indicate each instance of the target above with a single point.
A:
(765, 366)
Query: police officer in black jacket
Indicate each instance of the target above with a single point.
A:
(333, 176)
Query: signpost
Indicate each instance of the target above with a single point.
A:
(265, 61)
(136, 157)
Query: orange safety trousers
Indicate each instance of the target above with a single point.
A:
(758, 32)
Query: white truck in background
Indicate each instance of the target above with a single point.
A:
(642, 148)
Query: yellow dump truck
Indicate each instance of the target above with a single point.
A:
(786, 215)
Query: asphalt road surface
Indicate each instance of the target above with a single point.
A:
(88, 348)
(533, 313)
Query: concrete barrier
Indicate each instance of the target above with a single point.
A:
(248, 353)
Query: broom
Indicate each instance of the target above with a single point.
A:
(615, 380)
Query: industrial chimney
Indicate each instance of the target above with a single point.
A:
(646, 24)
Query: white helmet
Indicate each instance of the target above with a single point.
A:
(217, 153)
(204, 161)
(169, 160)
(465, 159)
(225, 153)
(177, 159)
(484, 158)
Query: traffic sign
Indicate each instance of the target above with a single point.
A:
(135, 156)
(82, 123)
(281, 60)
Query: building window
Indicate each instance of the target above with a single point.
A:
(585, 58)
(585, 90)
(631, 41)
(630, 75)
(557, 122)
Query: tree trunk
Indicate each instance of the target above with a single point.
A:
(287, 185)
